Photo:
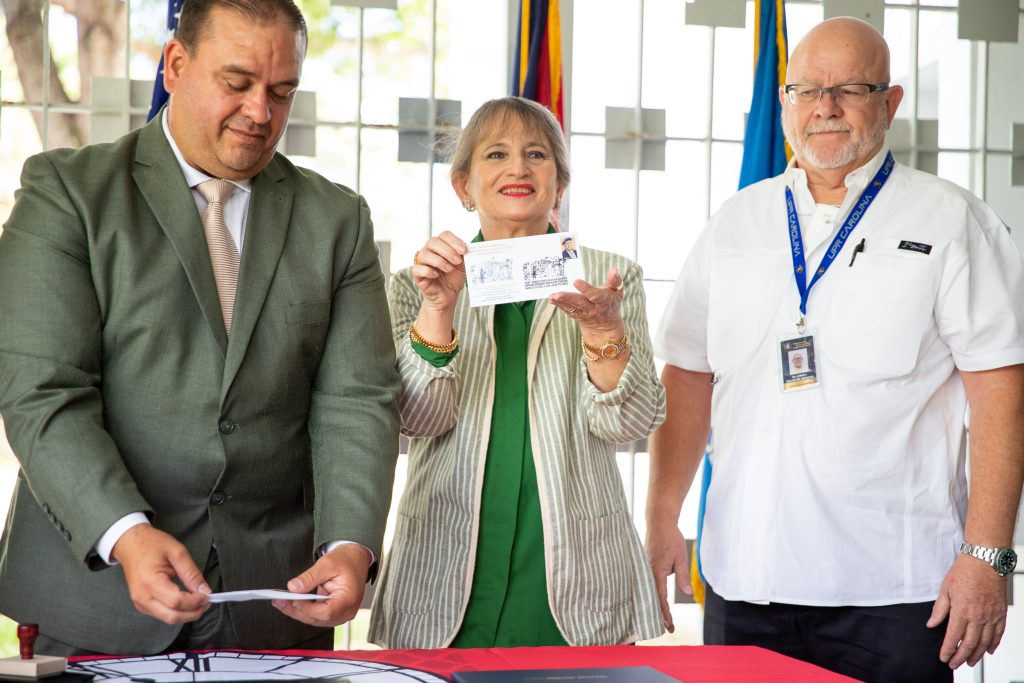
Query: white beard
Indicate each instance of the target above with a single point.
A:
(838, 156)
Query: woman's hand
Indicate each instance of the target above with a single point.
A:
(599, 313)
(439, 271)
(598, 310)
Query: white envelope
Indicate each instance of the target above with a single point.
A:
(264, 594)
(522, 268)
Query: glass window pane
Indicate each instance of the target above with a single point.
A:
(800, 19)
(672, 205)
(448, 211)
(472, 67)
(726, 159)
(332, 61)
(625, 462)
(149, 33)
(898, 34)
(734, 78)
(64, 53)
(601, 203)
(8, 478)
(1005, 91)
(658, 292)
(1004, 198)
(396, 192)
(956, 167)
(396, 59)
(19, 139)
(86, 44)
(335, 155)
(67, 130)
(944, 66)
(30, 25)
(675, 72)
(604, 61)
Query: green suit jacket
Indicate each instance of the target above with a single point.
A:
(121, 392)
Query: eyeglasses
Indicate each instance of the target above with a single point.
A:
(850, 94)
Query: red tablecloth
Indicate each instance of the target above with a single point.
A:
(690, 664)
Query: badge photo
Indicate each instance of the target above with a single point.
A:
(798, 366)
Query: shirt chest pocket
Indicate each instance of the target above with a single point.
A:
(743, 298)
(881, 313)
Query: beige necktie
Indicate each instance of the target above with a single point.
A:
(223, 253)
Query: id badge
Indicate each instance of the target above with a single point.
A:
(798, 363)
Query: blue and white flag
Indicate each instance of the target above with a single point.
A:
(764, 146)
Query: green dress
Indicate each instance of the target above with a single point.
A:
(508, 603)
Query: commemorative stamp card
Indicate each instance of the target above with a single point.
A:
(522, 268)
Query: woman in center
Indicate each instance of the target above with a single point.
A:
(513, 529)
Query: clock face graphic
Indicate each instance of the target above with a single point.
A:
(243, 666)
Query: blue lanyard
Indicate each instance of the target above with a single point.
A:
(796, 240)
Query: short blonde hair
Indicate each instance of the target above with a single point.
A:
(498, 114)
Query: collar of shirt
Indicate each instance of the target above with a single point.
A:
(856, 181)
(480, 235)
(818, 222)
(236, 208)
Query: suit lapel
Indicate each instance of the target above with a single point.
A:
(266, 230)
(159, 179)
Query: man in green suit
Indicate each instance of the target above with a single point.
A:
(185, 426)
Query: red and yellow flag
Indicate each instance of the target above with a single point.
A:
(537, 68)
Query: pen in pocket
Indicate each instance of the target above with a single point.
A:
(856, 250)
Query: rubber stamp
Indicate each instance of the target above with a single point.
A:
(28, 664)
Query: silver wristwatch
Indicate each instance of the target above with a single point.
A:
(1003, 560)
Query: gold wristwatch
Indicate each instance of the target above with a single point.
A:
(607, 351)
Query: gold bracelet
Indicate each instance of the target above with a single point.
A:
(415, 335)
(607, 351)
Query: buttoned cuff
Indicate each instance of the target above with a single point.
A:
(111, 536)
(435, 358)
(410, 358)
(328, 547)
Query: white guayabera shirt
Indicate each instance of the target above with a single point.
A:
(853, 493)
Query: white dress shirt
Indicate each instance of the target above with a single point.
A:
(853, 493)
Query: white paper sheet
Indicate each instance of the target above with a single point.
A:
(522, 268)
(265, 594)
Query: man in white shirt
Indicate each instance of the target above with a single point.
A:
(837, 526)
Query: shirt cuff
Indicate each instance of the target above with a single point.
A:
(435, 358)
(109, 539)
(328, 547)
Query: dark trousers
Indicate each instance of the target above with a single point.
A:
(212, 631)
(886, 644)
